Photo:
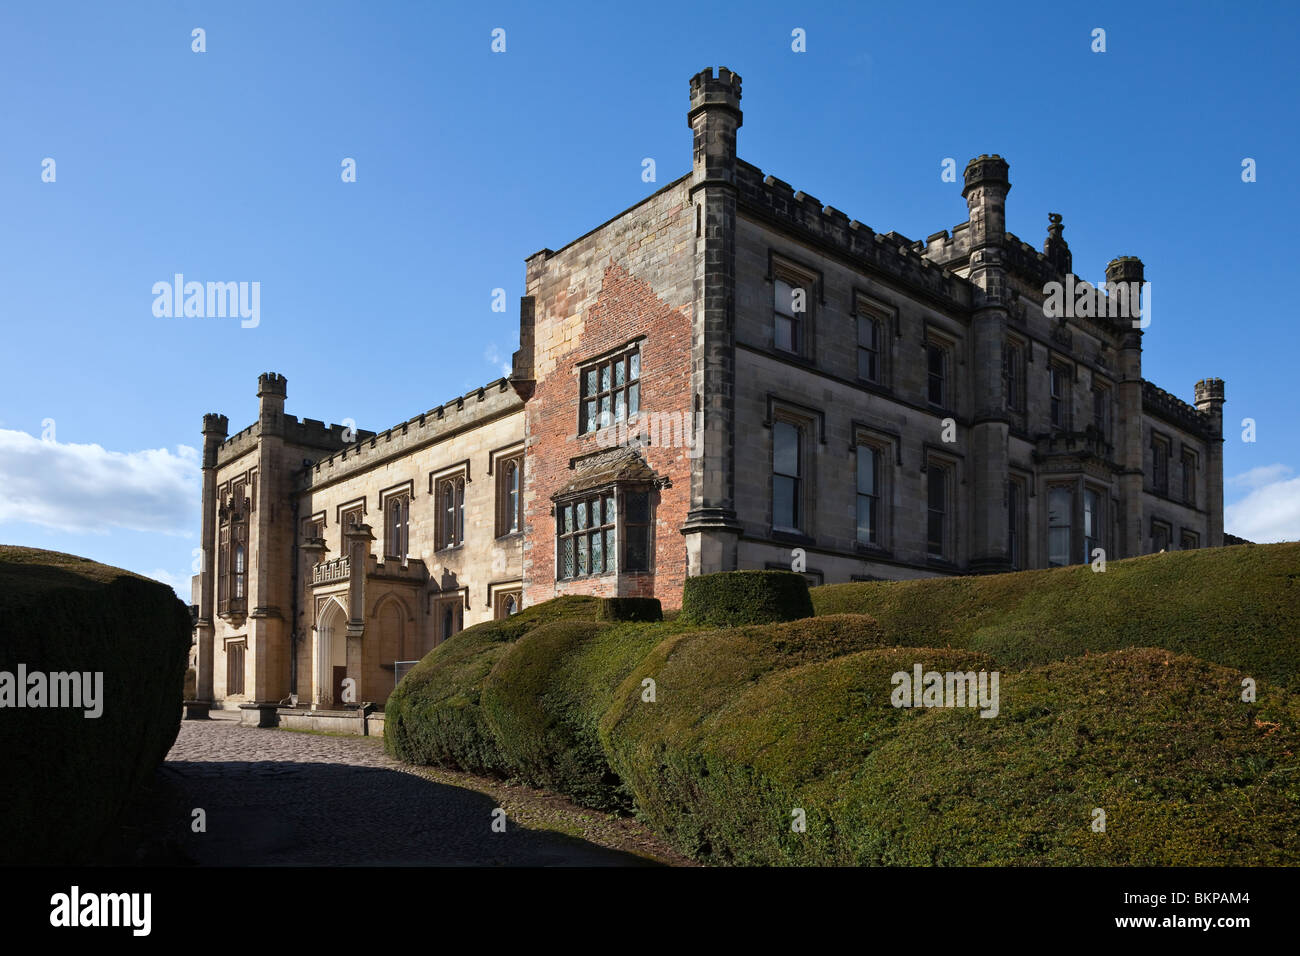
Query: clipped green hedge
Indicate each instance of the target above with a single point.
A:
(544, 699)
(732, 598)
(1186, 773)
(1237, 606)
(68, 777)
(716, 734)
(630, 609)
(434, 715)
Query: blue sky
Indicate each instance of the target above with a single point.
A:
(225, 166)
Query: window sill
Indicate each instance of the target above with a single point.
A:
(588, 577)
(798, 358)
(792, 537)
(873, 550)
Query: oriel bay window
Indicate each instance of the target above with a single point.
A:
(603, 532)
(611, 391)
(586, 535)
(232, 552)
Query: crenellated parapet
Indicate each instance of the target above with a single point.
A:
(466, 411)
(778, 204)
(1174, 410)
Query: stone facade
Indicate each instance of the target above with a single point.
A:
(729, 374)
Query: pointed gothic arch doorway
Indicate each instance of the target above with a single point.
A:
(331, 655)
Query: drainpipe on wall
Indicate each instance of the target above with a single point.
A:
(294, 632)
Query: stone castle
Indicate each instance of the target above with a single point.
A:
(727, 375)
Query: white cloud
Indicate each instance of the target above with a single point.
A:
(1263, 475)
(84, 488)
(180, 583)
(492, 354)
(1271, 509)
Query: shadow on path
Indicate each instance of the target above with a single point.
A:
(288, 813)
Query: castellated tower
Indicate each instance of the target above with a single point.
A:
(1209, 401)
(985, 192)
(712, 528)
(1130, 430)
(215, 429)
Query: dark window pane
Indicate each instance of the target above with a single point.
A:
(784, 332)
(934, 533)
(636, 507)
(785, 449)
(582, 554)
(866, 332)
(609, 548)
(866, 519)
(566, 557)
(784, 297)
(784, 514)
(597, 553)
(637, 549)
(866, 470)
(867, 365)
(1060, 502)
(937, 488)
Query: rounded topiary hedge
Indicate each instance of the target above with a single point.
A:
(733, 598)
(630, 609)
(68, 776)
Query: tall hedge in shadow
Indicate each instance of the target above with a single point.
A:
(733, 598)
(66, 776)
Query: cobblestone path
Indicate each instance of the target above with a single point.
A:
(276, 797)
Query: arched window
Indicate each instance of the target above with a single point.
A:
(451, 495)
(512, 605)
